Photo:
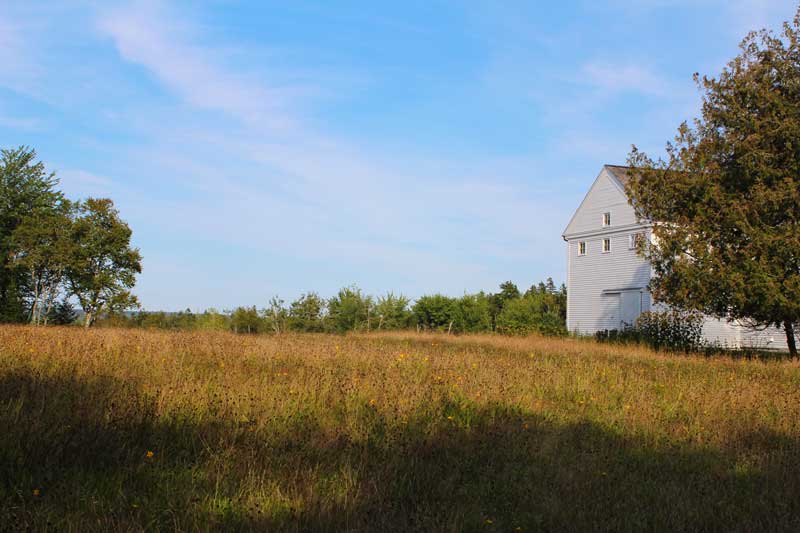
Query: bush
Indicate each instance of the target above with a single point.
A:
(436, 312)
(673, 330)
(526, 315)
(306, 314)
(349, 310)
(246, 320)
(393, 312)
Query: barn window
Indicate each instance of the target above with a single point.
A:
(581, 248)
(606, 245)
(606, 219)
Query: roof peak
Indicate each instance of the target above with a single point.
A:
(621, 173)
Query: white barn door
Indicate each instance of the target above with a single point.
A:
(630, 304)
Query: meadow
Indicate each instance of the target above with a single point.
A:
(130, 430)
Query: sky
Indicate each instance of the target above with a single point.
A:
(261, 148)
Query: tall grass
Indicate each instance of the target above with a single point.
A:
(128, 429)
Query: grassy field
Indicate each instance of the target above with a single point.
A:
(127, 430)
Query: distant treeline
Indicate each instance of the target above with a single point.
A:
(540, 309)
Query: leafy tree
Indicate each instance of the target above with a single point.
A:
(530, 314)
(553, 300)
(184, 320)
(307, 314)
(350, 310)
(245, 320)
(508, 291)
(212, 320)
(104, 267)
(393, 312)
(435, 312)
(725, 203)
(275, 315)
(25, 188)
(43, 248)
(473, 313)
(62, 314)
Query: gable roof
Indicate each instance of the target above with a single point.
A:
(623, 174)
(615, 179)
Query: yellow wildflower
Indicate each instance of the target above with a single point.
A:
(149, 454)
(36, 492)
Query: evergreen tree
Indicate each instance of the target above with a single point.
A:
(725, 203)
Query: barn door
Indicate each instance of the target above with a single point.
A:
(630, 308)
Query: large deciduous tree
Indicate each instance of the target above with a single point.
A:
(725, 202)
(105, 265)
(25, 188)
(44, 249)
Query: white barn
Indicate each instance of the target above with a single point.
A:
(607, 280)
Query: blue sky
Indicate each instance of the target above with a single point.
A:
(260, 148)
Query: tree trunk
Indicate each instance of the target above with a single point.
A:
(790, 340)
(87, 320)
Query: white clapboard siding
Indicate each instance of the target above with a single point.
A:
(768, 339)
(605, 196)
(602, 286)
(596, 280)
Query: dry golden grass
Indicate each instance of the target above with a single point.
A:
(131, 430)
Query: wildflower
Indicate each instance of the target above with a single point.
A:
(36, 492)
(372, 402)
(449, 417)
(489, 521)
(149, 454)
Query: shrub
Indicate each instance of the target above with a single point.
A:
(306, 314)
(436, 312)
(672, 330)
(349, 310)
(523, 316)
(393, 312)
(246, 320)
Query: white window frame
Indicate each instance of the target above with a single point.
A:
(607, 245)
(607, 219)
(581, 248)
(633, 240)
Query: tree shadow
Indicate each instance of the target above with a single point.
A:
(450, 466)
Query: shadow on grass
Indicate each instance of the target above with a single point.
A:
(450, 467)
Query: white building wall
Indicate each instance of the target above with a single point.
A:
(596, 280)
(604, 196)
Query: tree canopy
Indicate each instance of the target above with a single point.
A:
(725, 201)
(26, 190)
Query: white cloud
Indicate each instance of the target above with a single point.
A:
(80, 183)
(268, 179)
(625, 77)
(750, 15)
(146, 33)
(18, 68)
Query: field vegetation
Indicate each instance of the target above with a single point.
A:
(130, 429)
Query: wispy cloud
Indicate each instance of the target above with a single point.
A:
(80, 183)
(19, 69)
(268, 179)
(625, 77)
(147, 33)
